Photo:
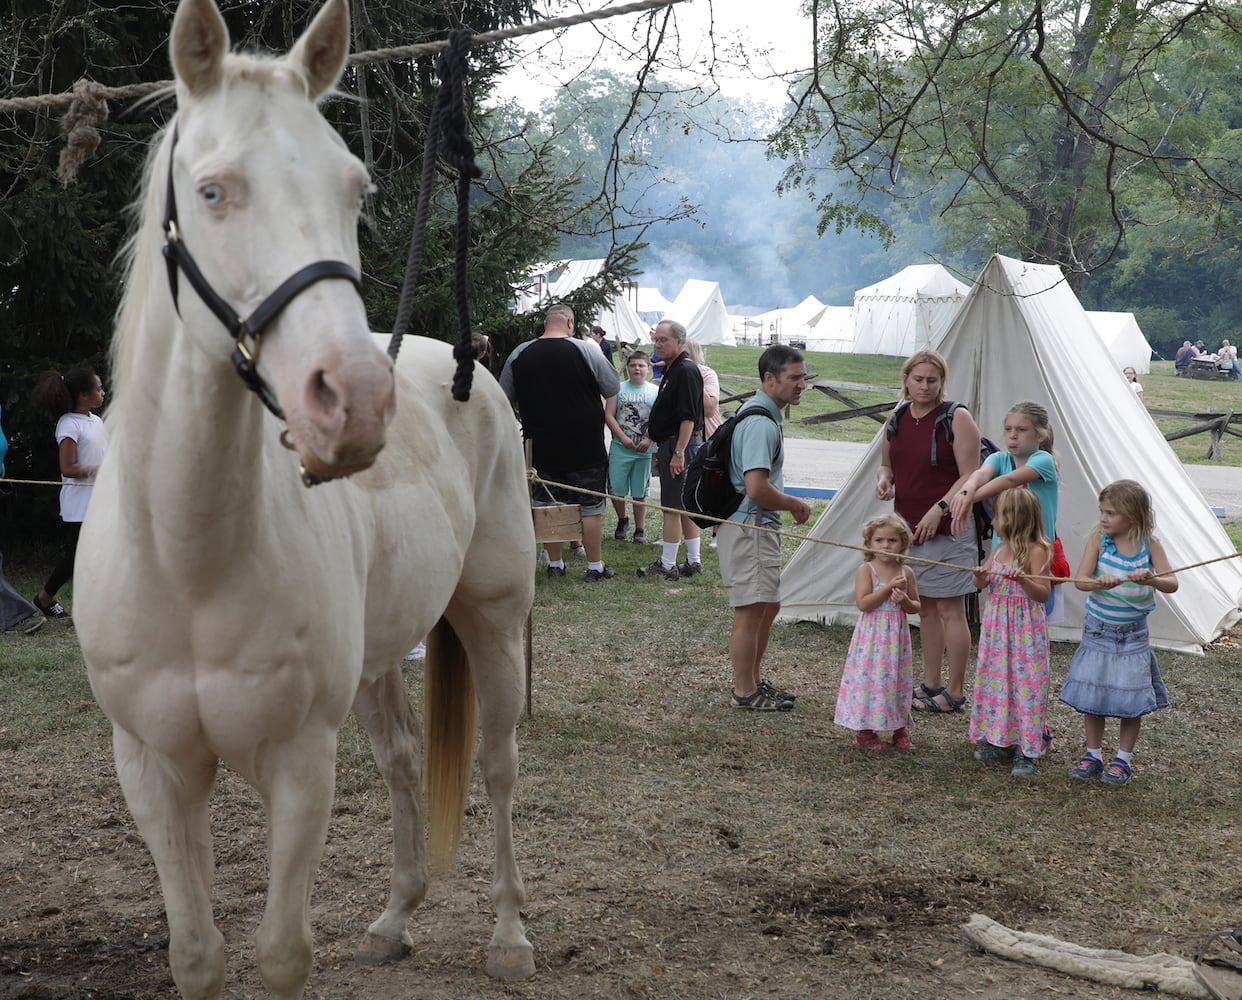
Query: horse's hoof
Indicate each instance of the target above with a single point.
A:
(511, 963)
(376, 950)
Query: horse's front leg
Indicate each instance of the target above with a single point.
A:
(169, 802)
(383, 709)
(296, 778)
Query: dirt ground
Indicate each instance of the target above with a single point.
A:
(678, 898)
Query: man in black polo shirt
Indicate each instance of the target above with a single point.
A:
(676, 426)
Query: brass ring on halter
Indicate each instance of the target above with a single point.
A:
(287, 441)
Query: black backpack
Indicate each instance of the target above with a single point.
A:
(983, 509)
(707, 484)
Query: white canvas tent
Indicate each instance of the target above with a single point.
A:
(1022, 334)
(651, 305)
(618, 316)
(1124, 340)
(700, 308)
(832, 331)
(907, 311)
(794, 323)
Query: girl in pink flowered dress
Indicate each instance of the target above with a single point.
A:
(1010, 698)
(879, 667)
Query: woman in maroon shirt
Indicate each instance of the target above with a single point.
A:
(921, 490)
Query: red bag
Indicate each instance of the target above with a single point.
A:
(1060, 567)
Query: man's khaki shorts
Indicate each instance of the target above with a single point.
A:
(750, 564)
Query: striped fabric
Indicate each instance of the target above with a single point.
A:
(1131, 601)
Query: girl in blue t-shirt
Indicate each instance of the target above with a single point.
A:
(1114, 672)
(1027, 460)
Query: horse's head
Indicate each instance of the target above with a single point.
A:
(263, 188)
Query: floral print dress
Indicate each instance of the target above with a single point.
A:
(1009, 703)
(879, 669)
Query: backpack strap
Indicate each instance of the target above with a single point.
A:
(891, 430)
(743, 413)
(945, 420)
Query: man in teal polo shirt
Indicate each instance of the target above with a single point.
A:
(750, 560)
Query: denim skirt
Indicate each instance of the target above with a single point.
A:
(1114, 672)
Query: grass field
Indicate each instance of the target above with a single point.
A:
(1162, 390)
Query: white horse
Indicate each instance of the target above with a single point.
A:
(229, 614)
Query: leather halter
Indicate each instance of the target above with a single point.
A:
(245, 355)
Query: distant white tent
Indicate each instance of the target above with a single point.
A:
(1123, 338)
(556, 279)
(651, 305)
(700, 308)
(832, 331)
(794, 323)
(907, 311)
(1022, 334)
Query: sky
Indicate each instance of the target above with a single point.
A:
(749, 45)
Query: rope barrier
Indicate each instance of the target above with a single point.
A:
(96, 93)
(534, 477)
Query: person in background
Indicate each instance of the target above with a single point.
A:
(711, 388)
(1182, 361)
(16, 613)
(629, 455)
(559, 385)
(676, 426)
(482, 349)
(600, 336)
(1227, 359)
(82, 441)
(1132, 378)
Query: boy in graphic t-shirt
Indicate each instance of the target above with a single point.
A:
(629, 457)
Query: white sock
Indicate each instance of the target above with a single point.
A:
(1097, 753)
(1124, 755)
(668, 554)
(694, 548)
(597, 566)
(559, 564)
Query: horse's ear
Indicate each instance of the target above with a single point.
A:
(199, 43)
(322, 50)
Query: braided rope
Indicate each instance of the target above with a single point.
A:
(405, 52)
(533, 477)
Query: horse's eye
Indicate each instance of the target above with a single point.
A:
(212, 194)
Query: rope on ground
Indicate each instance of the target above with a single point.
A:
(534, 477)
(100, 93)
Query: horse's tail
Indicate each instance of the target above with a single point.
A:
(450, 717)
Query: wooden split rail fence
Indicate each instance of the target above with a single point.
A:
(1217, 425)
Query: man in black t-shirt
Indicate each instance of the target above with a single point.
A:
(556, 382)
(676, 426)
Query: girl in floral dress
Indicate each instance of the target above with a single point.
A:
(879, 667)
(1010, 698)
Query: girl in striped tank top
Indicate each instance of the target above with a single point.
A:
(1114, 674)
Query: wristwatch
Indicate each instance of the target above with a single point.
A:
(942, 505)
(679, 454)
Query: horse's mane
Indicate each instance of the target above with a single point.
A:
(141, 257)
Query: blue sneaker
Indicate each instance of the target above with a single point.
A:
(1117, 772)
(1087, 767)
